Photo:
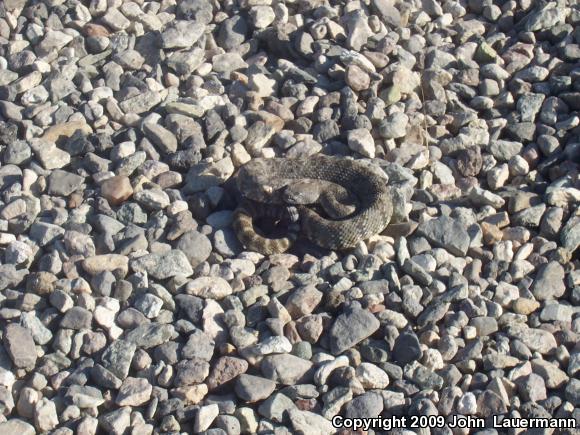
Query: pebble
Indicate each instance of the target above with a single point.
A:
(116, 189)
(134, 392)
(19, 344)
(350, 328)
(362, 142)
(165, 265)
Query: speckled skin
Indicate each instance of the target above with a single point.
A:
(263, 181)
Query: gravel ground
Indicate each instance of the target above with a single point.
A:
(127, 304)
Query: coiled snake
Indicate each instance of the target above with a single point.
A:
(315, 197)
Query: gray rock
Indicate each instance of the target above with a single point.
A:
(15, 425)
(190, 372)
(350, 328)
(366, 404)
(536, 339)
(570, 234)
(181, 34)
(149, 335)
(45, 233)
(199, 345)
(309, 422)
(422, 376)
(40, 333)
(275, 407)
(63, 183)
(447, 233)
(117, 421)
(286, 369)
(163, 266)
(196, 247)
(45, 417)
(134, 392)
(77, 318)
(503, 150)
(118, 356)
(254, 388)
(407, 348)
(164, 139)
(544, 18)
(84, 396)
(549, 281)
(19, 344)
(232, 32)
(388, 12)
(573, 392)
(141, 102)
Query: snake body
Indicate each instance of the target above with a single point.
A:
(262, 183)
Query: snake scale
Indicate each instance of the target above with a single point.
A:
(264, 184)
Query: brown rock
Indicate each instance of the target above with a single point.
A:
(226, 368)
(116, 189)
(65, 130)
(111, 262)
(92, 29)
(191, 395)
(491, 233)
(525, 306)
(40, 283)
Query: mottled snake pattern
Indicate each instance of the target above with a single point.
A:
(262, 182)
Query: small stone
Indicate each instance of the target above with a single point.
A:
(503, 150)
(261, 16)
(17, 426)
(45, 417)
(225, 369)
(163, 266)
(536, 339)
(20, 346)
(275, 407)
(192, 371)
(77, 318)
(118, 356)
(84, 396)
(262, 85)
(49, 155)
(394, 126)
(116, 189)
(307, 422)
(164, 139)
(148, 335)
(362, 142)
(181, 34)
(232, 32)
(531, 387)
(357, 78)
(205, 417)
(254, 388)
(134, 392)
(140, 103)
(63, 183)
(106, 262)
(117, 421)
(549, 282)
(351, 327)
(407, 348)
(196, 247)
(286, 369)
(447, 233)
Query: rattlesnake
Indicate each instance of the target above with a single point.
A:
(271, 187)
